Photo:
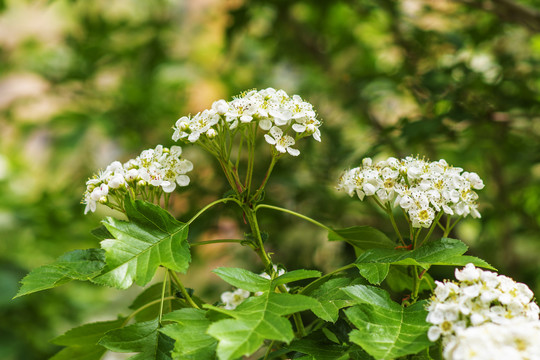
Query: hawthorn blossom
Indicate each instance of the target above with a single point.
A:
(479, 306)
(285, 119)
(232, 299)
(161, 168)
(422, 188)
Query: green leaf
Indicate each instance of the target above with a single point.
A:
(331, 298)
(151, 237)
(189, 332)
(374, 273)
(362, 237)
(385, 329)
(142, 338)
(243, 279)
(74, 265)
(295, 275)
(102, 233)
(80, 353)
(399, 280)
(82, 341)
(88, 334)
(319, 350)
(444, 251)
(256, 319)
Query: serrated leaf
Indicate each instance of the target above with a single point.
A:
(374, 273)
(88, 334)
(444, 251)
(189, 332)
(385, 329)
(295, 275)
(242, 279)
(256, 319)
(152, 237)
(142, 338)
(331, 299)
(362, 237)
(74, 265)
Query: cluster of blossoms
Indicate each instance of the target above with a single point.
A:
(231, 299)
(273, 110)
(421, 188)
(481, 304)
(160, 168)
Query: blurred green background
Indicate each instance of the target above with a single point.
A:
(83, 83)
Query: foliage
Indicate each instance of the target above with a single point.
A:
(94, 81)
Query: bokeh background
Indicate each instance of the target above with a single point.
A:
(83, 83)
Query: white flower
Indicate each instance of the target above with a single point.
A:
(481, 297)
(270, 108)
(421, 188)
(281, 142)
(233, 299)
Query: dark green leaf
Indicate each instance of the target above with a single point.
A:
(385, 329)
(256, 319)
(74, 265)
(243, 279)
(362, 237)
(88, 334)
(439, 252)
(190, 334)
(295, 275)
(142, 338)
(374, 273)
(153, 293)
(331, 298)
(102, 233)
(151, 237)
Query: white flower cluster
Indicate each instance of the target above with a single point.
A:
(476, 305)
(231, 299)
(516, 340)
(419, 187)
(273, 110)
(159, 167)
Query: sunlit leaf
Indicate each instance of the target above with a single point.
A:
(74, 265)
(242, 279)
(256, 319)
(151, 238)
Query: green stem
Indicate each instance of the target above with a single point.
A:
(293, 213)
(433, 225)
(315, 283)
(239, 241)
(269, 350)
(223, 200)
(394, 225)
(446, 233)
(183, 290)
(266, 177)
(416, 284)
(146, 306)
(163, 295)
(254, 225)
